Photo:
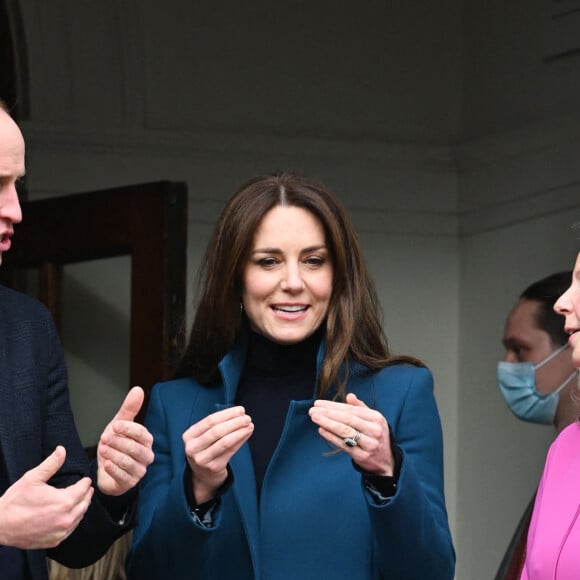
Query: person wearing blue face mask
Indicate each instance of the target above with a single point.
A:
(536, 374)
(536, 378)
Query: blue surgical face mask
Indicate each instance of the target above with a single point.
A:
(517, 383)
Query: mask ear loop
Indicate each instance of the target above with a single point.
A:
(547, 360)
(576, 371)
(551, 356)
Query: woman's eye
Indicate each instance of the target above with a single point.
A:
(267, 262)
(315, 260)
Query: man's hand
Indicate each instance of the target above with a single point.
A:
(125, 448)
(36, 515)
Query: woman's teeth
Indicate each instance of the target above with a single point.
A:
(290, 308)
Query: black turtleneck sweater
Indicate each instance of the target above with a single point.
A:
(274, 375)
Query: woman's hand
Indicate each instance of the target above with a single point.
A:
(209, 446)
(337, 421)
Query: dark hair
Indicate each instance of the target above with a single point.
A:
(546, 291)
(353, 321)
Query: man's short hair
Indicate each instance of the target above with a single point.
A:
(546, 291)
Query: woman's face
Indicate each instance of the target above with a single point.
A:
(569, 306)
(287, 279)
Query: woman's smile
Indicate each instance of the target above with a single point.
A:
(290, 310)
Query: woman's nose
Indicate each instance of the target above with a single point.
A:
(292, 280)
(562, 305)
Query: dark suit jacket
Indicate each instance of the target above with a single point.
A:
(35, 417)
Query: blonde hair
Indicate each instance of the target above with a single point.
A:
(110, 567)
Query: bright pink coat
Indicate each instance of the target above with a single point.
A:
(553, 550)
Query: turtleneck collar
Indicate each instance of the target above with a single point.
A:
(267, 357)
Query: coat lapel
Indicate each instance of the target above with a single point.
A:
(241, 463)
(247, 498)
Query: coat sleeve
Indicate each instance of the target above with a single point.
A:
(411, 528)
(99, 528)
(163, 507)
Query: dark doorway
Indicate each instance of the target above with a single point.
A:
(147, 222)
(13, 60)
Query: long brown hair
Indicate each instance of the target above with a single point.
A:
(353, 321)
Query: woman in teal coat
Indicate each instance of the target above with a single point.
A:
(293, 445)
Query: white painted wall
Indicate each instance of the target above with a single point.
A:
(95, 331)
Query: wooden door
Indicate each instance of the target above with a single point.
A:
(148, 222)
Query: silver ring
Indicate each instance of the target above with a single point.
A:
(352, 441)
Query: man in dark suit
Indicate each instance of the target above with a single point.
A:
(52, 501)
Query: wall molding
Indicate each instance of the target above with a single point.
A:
(471, 188)
(408, 189)
(141, 141)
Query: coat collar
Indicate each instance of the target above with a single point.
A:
(232, 365)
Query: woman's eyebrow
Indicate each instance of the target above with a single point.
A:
(279, 251)
(267, 251)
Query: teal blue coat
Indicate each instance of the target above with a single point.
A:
(315, 519)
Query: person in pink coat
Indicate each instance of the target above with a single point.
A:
(553, 549)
